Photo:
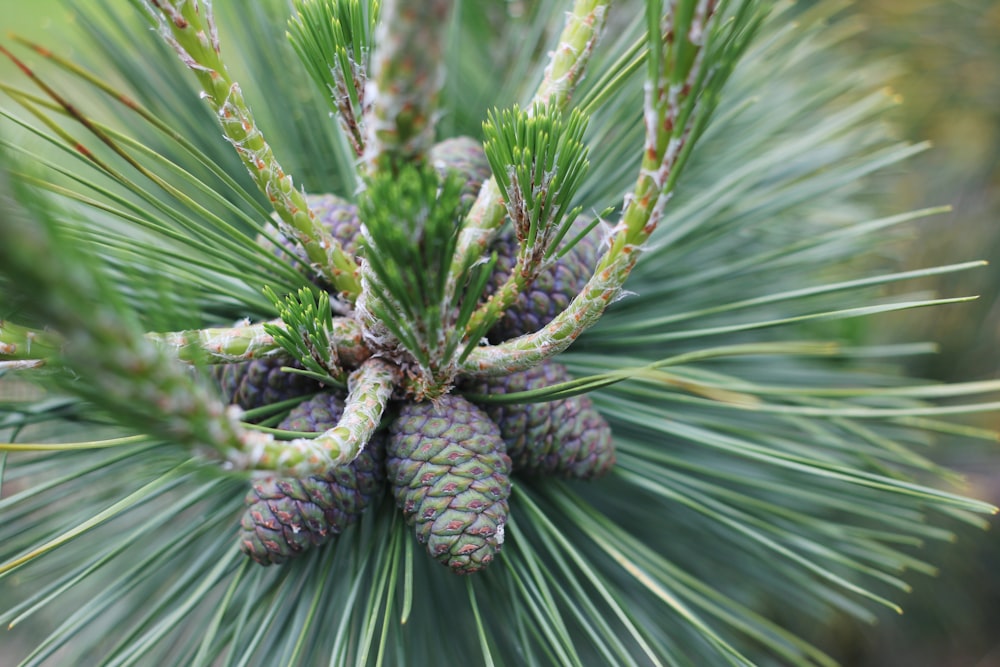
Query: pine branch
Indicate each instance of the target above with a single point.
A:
(124, 372)
(568, 62)
(540, 161)
(222, 345)
(567, 65)
(408, 305)
(791, 464)
(686, 72)
(369, 390)
(131, 377)
(189, 28)
(681, 94)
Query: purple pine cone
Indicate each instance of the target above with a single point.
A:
(465, 157)
(566, 437)
(254, 384)
(286, 516)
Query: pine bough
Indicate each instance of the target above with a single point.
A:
(417, 318)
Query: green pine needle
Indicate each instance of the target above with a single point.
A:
(539, 160)
(333, 38)
(412, 222)
(307, 334)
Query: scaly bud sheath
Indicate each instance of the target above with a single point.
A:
(568, 61)
(219, 346)
(674, 84)
(584, 25)
(338, 217)
(370, 388)
(408, 76)
(675, 88)
(187, 25)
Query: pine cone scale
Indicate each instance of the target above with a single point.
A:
(284, 517)
(565, 437)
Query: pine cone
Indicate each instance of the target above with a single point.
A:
(339, 216)
(550, 293)
(286, 516)
(450, 475)
(254, 384)
(464, 156)
(566, 437)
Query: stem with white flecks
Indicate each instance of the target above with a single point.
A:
(188, 26)
(406, 81)
(568, 61)
(219, 345)
(369, 390)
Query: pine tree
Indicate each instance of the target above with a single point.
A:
(701, 164)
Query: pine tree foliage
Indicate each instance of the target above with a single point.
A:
(769, 469)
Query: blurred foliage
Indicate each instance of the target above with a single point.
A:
(41, 18)
(949, 80)
(947, 56)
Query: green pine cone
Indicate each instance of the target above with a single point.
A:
(449, 473)
(284, 517)
(254, 384)
(550, 293)
(464, 156)
(566, 437)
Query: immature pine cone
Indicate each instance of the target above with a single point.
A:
(566, 437)
(286, 516)
(254, 384)
(549, 294)
(447, 469)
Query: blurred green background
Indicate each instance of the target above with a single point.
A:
(35, 19)
(944, 60)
